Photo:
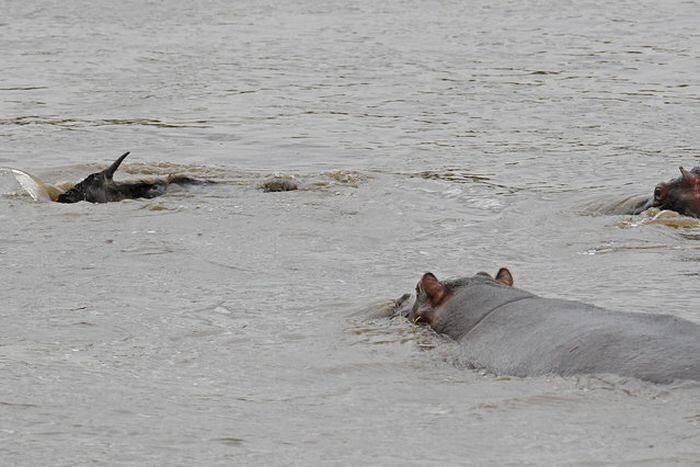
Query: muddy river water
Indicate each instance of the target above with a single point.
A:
(220, 325)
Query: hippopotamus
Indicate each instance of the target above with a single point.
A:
(508, 331)
(681, 195)
(99, 187)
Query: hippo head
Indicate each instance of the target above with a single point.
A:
(95, 187)
(432, 294)
(681, 194)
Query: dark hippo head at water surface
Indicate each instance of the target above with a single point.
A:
(508, 331)
(100, 187)
(681, 194)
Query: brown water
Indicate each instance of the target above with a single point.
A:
(220, 325)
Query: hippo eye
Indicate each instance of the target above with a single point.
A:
(658, 193)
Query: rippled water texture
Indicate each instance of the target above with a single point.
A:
(220, 325)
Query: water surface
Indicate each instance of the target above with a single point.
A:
(221, 325)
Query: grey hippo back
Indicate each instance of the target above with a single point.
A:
(510, 331)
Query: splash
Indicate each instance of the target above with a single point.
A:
(34, 187)
(655, 216)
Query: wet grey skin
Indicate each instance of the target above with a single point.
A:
(509, 331)
(100, 187)
(682, 195)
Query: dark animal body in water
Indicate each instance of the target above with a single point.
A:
(100, 187)
(509, 331)
(681, 195)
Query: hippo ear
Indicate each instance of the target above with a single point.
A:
(504, 277)
(432, 287)
(686, 175)
(690, 177)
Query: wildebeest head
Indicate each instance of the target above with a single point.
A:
(95, 188)
(681, 194)
(431, 293)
